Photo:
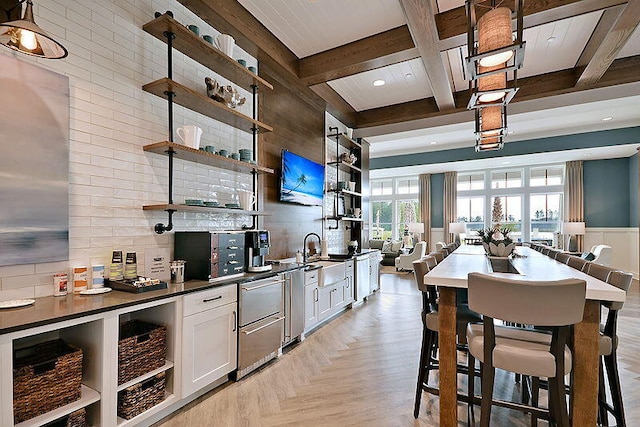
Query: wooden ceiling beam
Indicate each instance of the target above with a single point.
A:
(379, 50)
(452, 24)
(622, 71)
(616, 38)
(422, 25)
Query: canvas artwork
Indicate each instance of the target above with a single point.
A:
(34, 166)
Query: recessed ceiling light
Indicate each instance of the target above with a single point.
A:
(606, 119)
(433, 142)
(379, 82)
(408, 75)
(551, 39)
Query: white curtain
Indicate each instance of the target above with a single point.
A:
(424, 198)
(450, 202)
(574, 196)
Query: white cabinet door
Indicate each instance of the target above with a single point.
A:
(209, 347)
(310, 306)
(324, 302)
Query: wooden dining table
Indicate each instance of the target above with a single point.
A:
(452, 273)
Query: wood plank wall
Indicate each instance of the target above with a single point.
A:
(299, 128)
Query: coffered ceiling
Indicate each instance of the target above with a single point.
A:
(337, 48)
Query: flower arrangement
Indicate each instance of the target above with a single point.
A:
(496, 241)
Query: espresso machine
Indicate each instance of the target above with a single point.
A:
(257, 245)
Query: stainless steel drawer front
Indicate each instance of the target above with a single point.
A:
(259, 339)
(260, 299)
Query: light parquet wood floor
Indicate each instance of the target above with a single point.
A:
(360, 370)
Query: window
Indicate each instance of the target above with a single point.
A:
(507, 179)
(470, 181)
(471, 212)
(407, 186)
(382, 212)
(507, 211)
(544, 211)
(546, 176)
(382, 187)
(394, 204)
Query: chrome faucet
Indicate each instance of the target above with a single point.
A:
(304, 246)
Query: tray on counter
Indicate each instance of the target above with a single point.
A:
(127, 286)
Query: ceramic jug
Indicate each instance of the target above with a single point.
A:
(190, 135)
(246, 199)
(225, 43)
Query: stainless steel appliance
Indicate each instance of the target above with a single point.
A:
(293, 306)
(210, 255)
(363, 287)
(261, 320)
(257, 245)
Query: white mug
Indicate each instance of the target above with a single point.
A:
(246, 199)
(356, 212)
(225, 43)
(190, 135)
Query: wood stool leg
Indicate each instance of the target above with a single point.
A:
(488, 376)
(611, 363)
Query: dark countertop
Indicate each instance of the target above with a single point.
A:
(52, 309)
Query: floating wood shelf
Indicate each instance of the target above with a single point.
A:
(349, 192)
(200, 103)
(202, 209)
(346, 167)
(187, 153)
(199, 50)
(345, 141)
(343, 218)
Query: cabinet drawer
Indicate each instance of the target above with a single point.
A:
(211, 298)
(311, 276)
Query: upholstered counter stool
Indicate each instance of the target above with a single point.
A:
(523, 351)
(562, 257)
(577, 262)
(428, 358)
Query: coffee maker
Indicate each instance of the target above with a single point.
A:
(257, 245)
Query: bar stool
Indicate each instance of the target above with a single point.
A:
(553, 254)
(577, 262)
(428, 359)
(608, 352)
(439, 256)
(527, 352)
(562, 257)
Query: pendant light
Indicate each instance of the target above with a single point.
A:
(25, 36)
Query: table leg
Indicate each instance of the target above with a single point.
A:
(447, 359)
(585, 367)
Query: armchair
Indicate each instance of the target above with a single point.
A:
(405, 262)
(602, 254)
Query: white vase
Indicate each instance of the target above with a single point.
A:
(501, 249)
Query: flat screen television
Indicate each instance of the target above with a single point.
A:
(301, 181)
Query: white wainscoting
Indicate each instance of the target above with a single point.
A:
(624, 242)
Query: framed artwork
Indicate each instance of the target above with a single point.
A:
(34, 191)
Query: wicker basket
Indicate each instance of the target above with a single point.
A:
(46, 376)
(141, 348)
(74, 419)
(139, 397)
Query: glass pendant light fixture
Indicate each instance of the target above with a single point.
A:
(25, 36)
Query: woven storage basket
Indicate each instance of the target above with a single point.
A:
(45, 377)
(139, 397)
(141, 348)
(74, 419)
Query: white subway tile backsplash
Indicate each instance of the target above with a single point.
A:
(111, 118)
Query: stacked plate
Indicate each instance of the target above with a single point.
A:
(232, 205)
(246, 155)
(194, 202)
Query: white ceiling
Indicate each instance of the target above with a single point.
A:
(311, 26)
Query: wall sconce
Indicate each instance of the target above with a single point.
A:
(491, 127)
(25, 36)
(495, 50)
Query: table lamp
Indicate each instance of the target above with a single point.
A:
(573, 229)
(456, 228)
(416, 229)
